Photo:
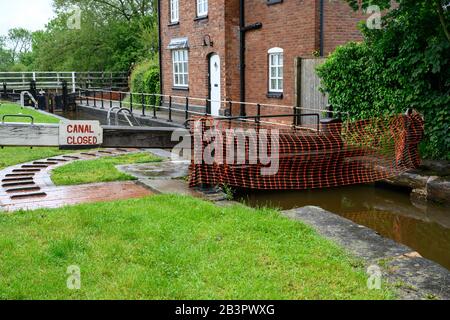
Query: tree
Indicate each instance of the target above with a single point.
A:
(19, 40)
(113, 35)
(126, 9)
(5, 56)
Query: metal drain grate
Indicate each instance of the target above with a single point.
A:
(17, 179)
(28, 195)
(19, 190)
(17, 184)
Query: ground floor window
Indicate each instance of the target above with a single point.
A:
(180, 68)
(276, 70)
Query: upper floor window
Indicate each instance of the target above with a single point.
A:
(180, 68)
(174, 11)
(276, 70)
(202, 8)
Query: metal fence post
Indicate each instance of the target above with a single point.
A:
(187, 109)
(231, 108)
(154, 106)
(110, 99)
(101, 97)
(330, 111)
(258, 107)
(143, 104)
(87, 97)
(131, 101)
(95, 99)
(33, 90)
(120, 99)
(297, 117)
(5, 92)
(74, 85)
(170, 109)
(64, 95)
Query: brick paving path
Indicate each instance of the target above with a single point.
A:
(28, 186)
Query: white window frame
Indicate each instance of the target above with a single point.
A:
(174, 11)
(180, 63)
(202, 8)
(276, 63)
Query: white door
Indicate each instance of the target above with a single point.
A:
(214, 76)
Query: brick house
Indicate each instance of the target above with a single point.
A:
(245, 50)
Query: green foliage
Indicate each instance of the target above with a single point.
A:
(145, 79)
(404, 65)
(113, 35)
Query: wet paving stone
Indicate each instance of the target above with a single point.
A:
(29, 186)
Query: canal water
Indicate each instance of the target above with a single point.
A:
(423, 227)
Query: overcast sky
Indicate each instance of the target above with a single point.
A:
(29, 14)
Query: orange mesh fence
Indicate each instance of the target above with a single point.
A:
(270, 156)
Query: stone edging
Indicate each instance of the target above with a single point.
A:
(414, 277)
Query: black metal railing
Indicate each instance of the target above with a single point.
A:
(180, 109)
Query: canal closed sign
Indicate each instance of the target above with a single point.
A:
(74, 134)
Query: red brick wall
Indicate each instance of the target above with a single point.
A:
(195, 31)
(292, 25)
(340, 24)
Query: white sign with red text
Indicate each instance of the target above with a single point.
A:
(80, 133)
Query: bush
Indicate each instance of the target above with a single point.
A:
(145, 79)
(396, 69)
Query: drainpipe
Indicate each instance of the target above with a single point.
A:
(160, 50)
(243, 28)
(242, 55)
(322, 28)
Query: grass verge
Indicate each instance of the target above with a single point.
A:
(14, 155)
(172, 247)
(12, 109)
(99, 170)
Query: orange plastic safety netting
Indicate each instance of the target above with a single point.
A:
(270, 156)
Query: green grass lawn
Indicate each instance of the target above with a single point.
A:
(99, 170)
(14, 155)
(172, 247)
(11, 109)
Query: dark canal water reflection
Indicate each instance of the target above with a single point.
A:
(391, 213)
